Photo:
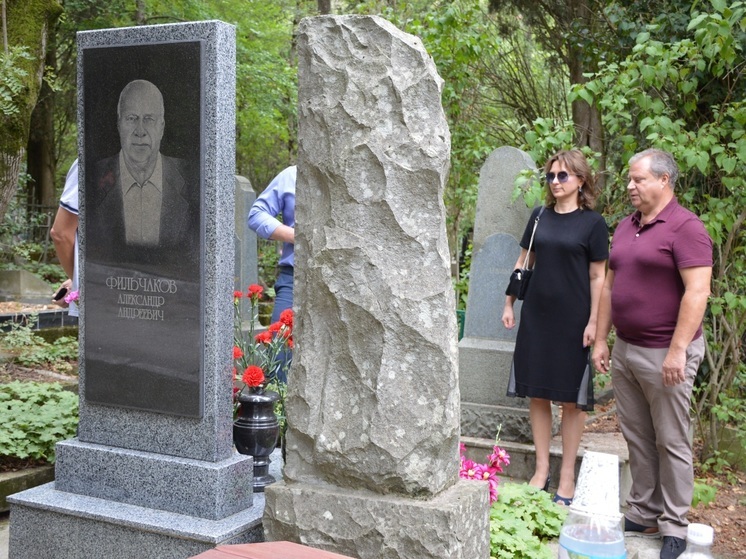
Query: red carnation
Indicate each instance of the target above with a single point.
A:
(263, 338)
(255, 291)
(253, 376)
(237, 353)
(237, 294)
(290, 342)
(286, 317)
(274, 327)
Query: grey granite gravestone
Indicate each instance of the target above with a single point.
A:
(486, 350)
(372, 444)
(246, 248)
(143, 478)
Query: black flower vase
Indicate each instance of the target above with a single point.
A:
(256, 431)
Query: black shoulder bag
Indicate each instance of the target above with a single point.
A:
(520, 277)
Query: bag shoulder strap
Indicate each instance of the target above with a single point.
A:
(531, 242)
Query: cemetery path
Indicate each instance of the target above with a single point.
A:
(726, 513)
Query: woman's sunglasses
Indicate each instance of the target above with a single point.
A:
(562, 177)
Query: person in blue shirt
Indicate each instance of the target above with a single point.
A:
(278, 201)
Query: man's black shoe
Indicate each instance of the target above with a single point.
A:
(672, 547)
(638, 530)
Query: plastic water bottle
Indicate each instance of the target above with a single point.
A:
(699, 538)
(592, 536)
(593, 527)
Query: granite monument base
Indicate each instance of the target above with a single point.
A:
(51, 523)
(204, 489)
(482, 421)
(368, 525)
(484, 366)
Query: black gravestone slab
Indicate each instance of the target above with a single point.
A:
(142, 298)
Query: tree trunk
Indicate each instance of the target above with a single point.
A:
(28, 22)
(41, 145)
(325, 7)
(586, 118)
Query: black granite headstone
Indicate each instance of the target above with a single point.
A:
(143, 227)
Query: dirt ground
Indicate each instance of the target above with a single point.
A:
(726, 514)
(14, 307)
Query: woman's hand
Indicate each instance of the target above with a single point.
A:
(589, 335)
(508, 315)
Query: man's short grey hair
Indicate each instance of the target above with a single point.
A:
(661, 163)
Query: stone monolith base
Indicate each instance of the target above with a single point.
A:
(362, 524)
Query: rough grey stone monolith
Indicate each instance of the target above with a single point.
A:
(486, 350)
(373, 402)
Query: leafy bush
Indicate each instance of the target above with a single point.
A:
(31, 350)
(704, 492)
(522, 520)
(33, 417)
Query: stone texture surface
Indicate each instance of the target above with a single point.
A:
(211, 490)
(366, 525)
(373, 397)
(48, 523)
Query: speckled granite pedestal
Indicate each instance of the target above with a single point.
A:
(49, 523)
(52, 523)
(153, 472)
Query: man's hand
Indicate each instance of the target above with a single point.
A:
(601, 358)
(673, 367)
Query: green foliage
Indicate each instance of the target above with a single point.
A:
(522, 520)
(31, 350)
(686, 95)
(34, 417)
(12, 79)
(704, 492)
(461, 285)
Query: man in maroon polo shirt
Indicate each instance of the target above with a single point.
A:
(655, 295)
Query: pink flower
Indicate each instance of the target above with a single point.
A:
(498, 458)
(72, 297)
(484, 472)
(468, 469)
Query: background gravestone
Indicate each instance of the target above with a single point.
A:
(486, 350)
(246, 243)
(146, 478)
(372, 445)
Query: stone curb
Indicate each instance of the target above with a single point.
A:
(15, 482)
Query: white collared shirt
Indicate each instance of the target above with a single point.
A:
(142, 204)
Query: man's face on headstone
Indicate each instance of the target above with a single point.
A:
(141, 123)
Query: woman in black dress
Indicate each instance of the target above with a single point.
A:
(558, 318)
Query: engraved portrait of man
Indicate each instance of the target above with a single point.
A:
(142, 202)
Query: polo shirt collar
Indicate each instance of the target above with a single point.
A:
(663, 215)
